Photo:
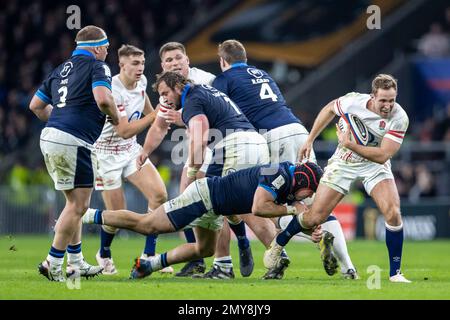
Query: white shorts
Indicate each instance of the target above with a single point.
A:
(113, 167)
(237, 151)
(339, 174)
(284, 143)
(70, 161)
(193, 208)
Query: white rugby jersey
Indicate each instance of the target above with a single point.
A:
(198, 76)
(393, 128)
(130, 103)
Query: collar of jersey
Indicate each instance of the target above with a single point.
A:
(291, 171)
(239, 64)
(184, 93)
(82, 52)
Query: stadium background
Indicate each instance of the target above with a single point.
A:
(315, 50)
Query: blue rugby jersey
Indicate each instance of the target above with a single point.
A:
(69, 90)
(234, 193)
(222, 113)
(257, 95)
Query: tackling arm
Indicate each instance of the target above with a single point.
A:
(127, 129)
(264, 205)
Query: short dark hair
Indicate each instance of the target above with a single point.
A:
(127, 50)
(169, 46)
(90, 33)
(171, 78)
(232, 51)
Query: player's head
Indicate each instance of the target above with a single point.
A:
(170, 85)
(384, 93)
(93, 39)
(131, 62)
(307, 176)
(173, 58)
(231, 51)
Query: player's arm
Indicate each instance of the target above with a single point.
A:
(264, 205)
(325, 116)
(198, 140)
(127, 129)
(42, 109)
(387, 149)
(105, 102)
(155, 134)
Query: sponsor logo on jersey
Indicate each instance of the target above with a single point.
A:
(382, 125)
(255, 72)
(66, 69)
(278, 182)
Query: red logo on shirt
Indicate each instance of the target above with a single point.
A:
(143, 93)
(382, 125)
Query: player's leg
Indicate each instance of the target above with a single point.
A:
(154, 223)
(151, 185)
(203, 247)
(77, 201)
(114, 200)
(385, 195)
(333, 226)
(197, 266)
(76, 264)
(325, 201)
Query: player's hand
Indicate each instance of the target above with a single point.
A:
(305, 150)
(300, 206)
(173, 116)
(141, 160)
(343, 137)
(316, 235)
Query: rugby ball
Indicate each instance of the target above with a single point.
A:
(358, 130)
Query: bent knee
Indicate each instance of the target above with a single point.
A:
(206, 251)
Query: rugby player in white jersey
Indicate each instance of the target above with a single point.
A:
(387, 123)
(117, 150)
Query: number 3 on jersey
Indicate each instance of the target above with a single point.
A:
(63, 92)
(267, 93)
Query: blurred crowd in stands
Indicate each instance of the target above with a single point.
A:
(32, 43)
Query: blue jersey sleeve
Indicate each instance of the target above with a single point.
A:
(101, 75)
(275, 183)
(192, 108)
(221, 84)
(44, 92)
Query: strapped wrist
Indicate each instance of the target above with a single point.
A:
(191, 172)
(291, 210)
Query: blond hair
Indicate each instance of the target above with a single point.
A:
(383, 81)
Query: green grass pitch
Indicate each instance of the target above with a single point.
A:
(427, 264)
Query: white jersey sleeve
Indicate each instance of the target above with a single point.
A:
(119, 101)
(347, 103)
(398, 126)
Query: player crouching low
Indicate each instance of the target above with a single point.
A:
(266, 191)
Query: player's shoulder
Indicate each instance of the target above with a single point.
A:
(356, 96)
(399, 113)
(199, 76)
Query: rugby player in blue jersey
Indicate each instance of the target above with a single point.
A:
(73, 100)
(260, 99)
(264, 190)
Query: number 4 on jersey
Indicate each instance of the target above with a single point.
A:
(267, 93)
